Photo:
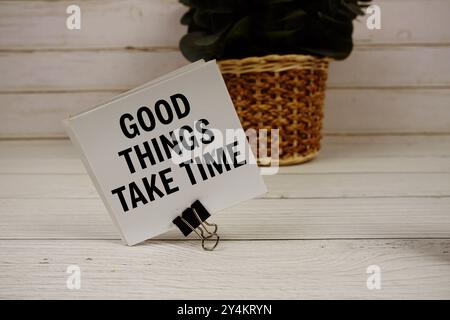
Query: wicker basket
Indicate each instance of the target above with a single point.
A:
(284, 92)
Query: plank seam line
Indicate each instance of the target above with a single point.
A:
(156, 49)
(284, 174)
(118, 91)
(272, 198)
(329, 87)
(228, 239)
(360, 45)
(390, 134)
(278, 174)
(84, 174)
(326, 134)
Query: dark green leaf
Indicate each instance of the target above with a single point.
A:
(239, 28)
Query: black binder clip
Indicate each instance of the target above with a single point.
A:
(194, 219)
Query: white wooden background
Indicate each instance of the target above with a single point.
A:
(396, 81)
(378, 194)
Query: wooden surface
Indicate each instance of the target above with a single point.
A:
(237, 270)
(401, 70)
(411, 110)
(379, 193)
(365, 201)
(154, 23)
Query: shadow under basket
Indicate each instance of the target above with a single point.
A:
(284, 92)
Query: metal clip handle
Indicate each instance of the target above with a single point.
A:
(212, 236)
(194, 219)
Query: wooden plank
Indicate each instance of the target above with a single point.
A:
(407, 22)
(41, 24)
(390, 110)
(346, 111)
(75, 186)
(236, 270)
(84, 70)
(41, 114)
(123, 69)
(340, 154)
(39, 156)
(392, 67)
(328, 163)
(254, 219)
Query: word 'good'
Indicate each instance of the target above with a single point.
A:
(146, 118)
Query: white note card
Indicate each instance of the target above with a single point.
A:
(154, 150)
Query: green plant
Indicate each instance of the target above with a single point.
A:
(223, 29)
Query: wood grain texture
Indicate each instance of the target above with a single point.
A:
(340, 154)
(236, 270)
(73, 70)
(142, 23)
(292, 186)
(255, 219)
(41, 114)
(392, 67)
(389, 110)
(360, 187)
(41, 24)
(125, 69)
(403, 22)
(83, 68)
(346, 111)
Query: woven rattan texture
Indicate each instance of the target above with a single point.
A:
(281, 92)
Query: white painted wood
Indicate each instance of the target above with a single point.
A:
(121, 70)
(346, 111)
(41, 24)
(75, 186)
(389, 110)
(41, 114)
(45, 193)
(236, 270)
(255, 219)
(104, 24)
(73, 70)
(407, 22)
(396, 81)
(392, 67)
(340, 154)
